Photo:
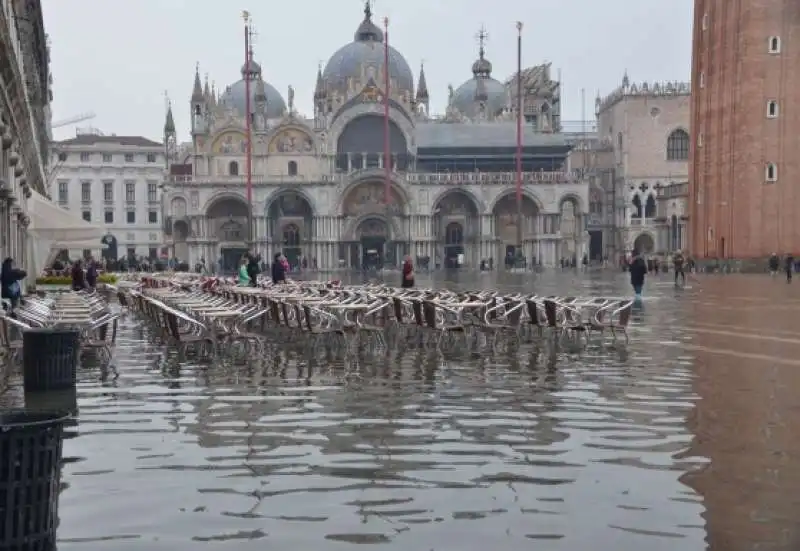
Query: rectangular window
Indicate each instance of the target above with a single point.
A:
(129, 157)
(86, 192)
(152, 217)
(151, 157)
(152, 192)
(702, 79)
(63, 192)
(152, 253)
(87, 215)
(109, 217)
(84, 157)
(107, 157)
(130, 216)
(771, 173)
(772, 109)
(108, 191)
(130, 192)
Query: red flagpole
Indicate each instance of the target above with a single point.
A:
(519, 138)
(387, 154)
(248, 129)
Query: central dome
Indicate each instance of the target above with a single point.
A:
(366, 50)
(480, 89)
(235, 95)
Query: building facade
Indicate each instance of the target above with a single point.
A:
(745, 129)
(324, 189)
(24, 119)
(113, 182)
(643, 148)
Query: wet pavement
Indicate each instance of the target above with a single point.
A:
(686, 439)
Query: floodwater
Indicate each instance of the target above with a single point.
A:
(686, 439)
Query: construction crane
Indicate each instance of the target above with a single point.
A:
(73, 120)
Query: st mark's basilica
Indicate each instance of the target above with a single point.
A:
(319, 183)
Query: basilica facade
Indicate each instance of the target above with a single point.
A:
(324, 189)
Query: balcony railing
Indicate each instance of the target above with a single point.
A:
(639, 222)
(462, 178)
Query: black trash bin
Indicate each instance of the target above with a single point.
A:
(30, 472)
(50, 359)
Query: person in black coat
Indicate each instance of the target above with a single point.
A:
(253, 269)
(278, 270)
(10, 278)
(638, 270)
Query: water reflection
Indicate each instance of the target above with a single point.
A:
(680, 440)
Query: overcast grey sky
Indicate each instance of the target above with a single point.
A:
(117, 58)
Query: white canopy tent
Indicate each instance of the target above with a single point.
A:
(53, 229)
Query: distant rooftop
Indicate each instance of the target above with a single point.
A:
(95, 139)
(485, 134)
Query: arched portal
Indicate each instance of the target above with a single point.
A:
(228, 220)
(361, 144)
(507, 226)
(644, 243)
(456, 223)
(180, 234)
(367, 201)
(373, 236)
(571, 229)
(290, 218)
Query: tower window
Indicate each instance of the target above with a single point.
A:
(233, 168)
(774, 45)
(705, 21)
(772, 109)
(197, 110)
(771, 173)
(702, 79)
(292, 168)
(700, 139)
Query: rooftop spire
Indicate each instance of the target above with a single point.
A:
(482, 67)
(319, 89)
(169, 123)
(422, 85)
(197, 89)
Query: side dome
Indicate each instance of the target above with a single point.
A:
(367, 50)
(480, 89)
(235, 95)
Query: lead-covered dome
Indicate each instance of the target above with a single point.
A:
(235, 95)
(480, 89)
(366, 51)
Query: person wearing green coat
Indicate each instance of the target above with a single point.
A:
(244, 277)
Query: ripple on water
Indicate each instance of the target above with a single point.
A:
(410, 451)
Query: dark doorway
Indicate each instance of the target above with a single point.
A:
(110, 250)
(291, 245)
(596, 244)
(453, 244)
(231, 257)
(372, 251)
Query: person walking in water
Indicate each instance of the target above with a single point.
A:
(774, 264)
(638, 270)
(678, 262)
(244, 277)
(789, 267)
(408, 273)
